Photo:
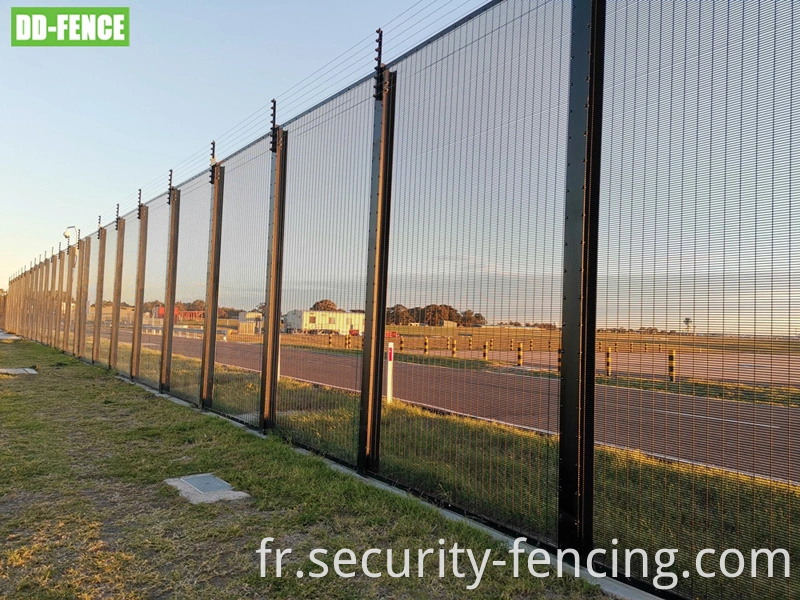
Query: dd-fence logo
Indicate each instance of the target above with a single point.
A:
(70, 26)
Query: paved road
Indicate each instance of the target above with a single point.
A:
(744, 437)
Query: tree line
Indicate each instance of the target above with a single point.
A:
(433, 315)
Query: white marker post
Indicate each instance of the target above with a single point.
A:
(389, 373)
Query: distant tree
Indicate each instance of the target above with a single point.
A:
(150, 306)
(688, 322)
(196, 305)
(434, 314)
(398, 315)
(226, 312)
(261, 308)
(468, 318)
(326, 305)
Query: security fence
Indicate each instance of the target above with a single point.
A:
(539, 269)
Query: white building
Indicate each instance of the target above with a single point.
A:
(315, 321)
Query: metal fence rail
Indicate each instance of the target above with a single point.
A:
(572, 231)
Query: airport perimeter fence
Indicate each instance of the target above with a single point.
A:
(541, 269)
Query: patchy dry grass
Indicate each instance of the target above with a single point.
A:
(84, 512)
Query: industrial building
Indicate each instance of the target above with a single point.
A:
(323, 321)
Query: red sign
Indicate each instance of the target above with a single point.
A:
(391, 353)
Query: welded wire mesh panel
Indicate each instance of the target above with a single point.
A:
(70, 286)
(130, 261)
(475, 265)
(243, 271)
(57, 302)
(155, 277)
(699, 406)
(190, 288)
(324, 273)
(91, 297)
(84, 294)
(106, 316)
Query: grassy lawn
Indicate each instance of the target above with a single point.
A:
(510, 476)
(84, 512)
(737, 392)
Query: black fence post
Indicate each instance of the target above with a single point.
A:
(76, 318)
(576, 445)
(44, 289)
(85, 258)
(169, 296)
(212, 285)
(39, 288)
(58, 299)
(141, 266)
(272, 302)
(98, 297)
(377, 267)
(68, 297)
(115, 309)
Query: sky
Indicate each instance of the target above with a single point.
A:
(82, 129)
(699, 172)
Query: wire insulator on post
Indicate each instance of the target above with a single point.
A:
(213, 161)
(273, 146)
(379, 65)
(169, 189)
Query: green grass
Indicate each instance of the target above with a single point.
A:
(510, 476)
(739, 392)
(84, 512)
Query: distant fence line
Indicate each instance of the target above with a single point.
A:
(468, 173)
